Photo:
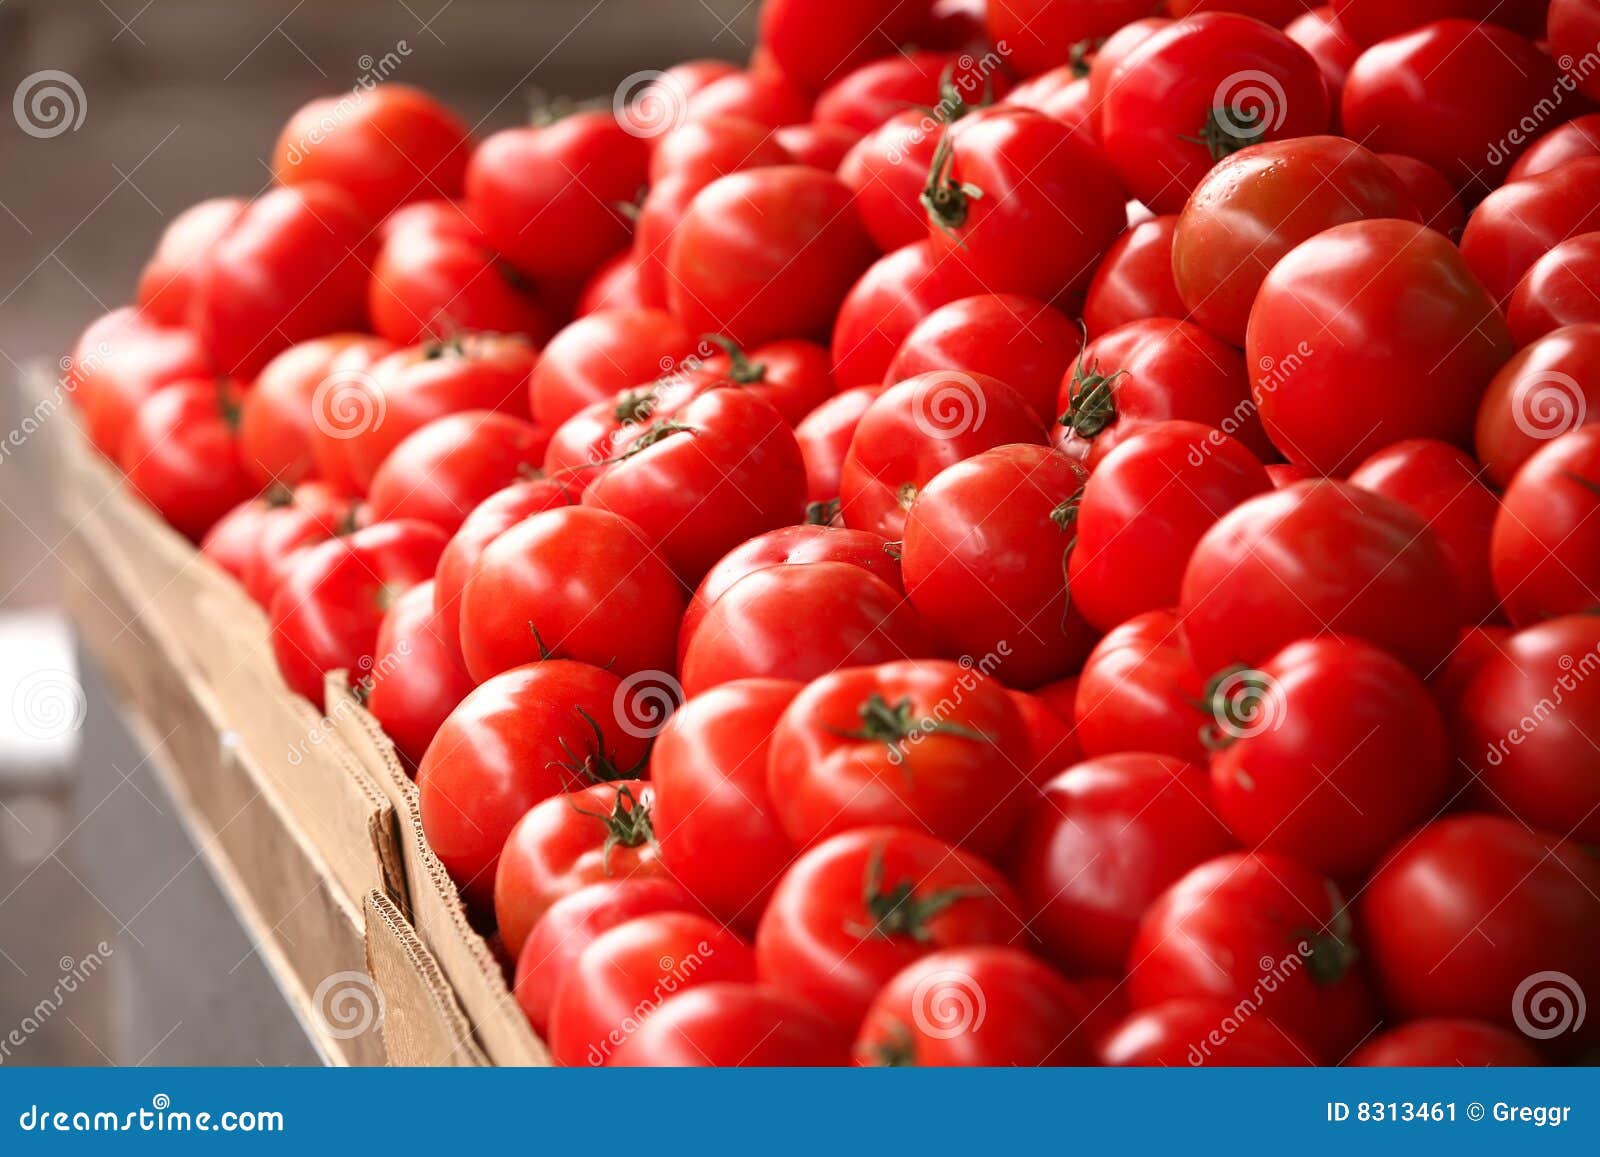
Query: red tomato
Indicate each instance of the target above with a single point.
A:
(1578, 137)
(792, 374)
(1320, 33)
(315, 513)
(328, 608)
(800, 622)
(1261, 202)
(1108, 837)
(1198, 90)
(1262, 932)
(1479, 917)
(630, 972)
(824, 436)
(414, 695)
(1143, 510)
(1022, 202)
(914, 430)
(1554, 292)
(1108, 57)
(1047, 715)
(1370, 21)
(766, 97)
(384, 146)
(887, 169)
(1519, 223)
(858, 908)
(1546, 545)
(1441, 1042)
(1551, 387)
(121, 360)
(1200, 1032)
(573, 583)
(1134, 280)
(167, 282)
(547, 197)
(1454, 93)
(766, 253)
(618, 284)
(985, 559)
(1139, 691)
(1314, 559)
(520, 737)
(1444, 487)
(815, 42)
(274, 523)
(601, 354)
(1274, 12)
(821, 146)
(1042, 33)
(292, 266)
(981, 1006)
(731, 1025)
(1433, 195)
(1573, 31)
(1062, 93)
(1328, 316)
(874, 92)
(181, 454)
(882, 308)
(442, 471)
(1153, 371)
(1474, 648)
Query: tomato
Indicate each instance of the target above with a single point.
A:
(181, 454)
(520, 737)
(1482, 918)
(985, 560)
(916, 428)
(814, 42)
(1139, 691)
(1554, 292)
(799, 622)
(1022, 202)
(412, 696)
(1062, 93)
(384, 146)
(789, 544)
(791, 374)
(618, 284)
(1329, 753)
(443, 470)
(1198, 90)
(275, 419)
(1476, 646)
(1519, 223)
(824, 436)
(1261, 202)
(1551, 387)
(237, 539)
(630, 972)
(1134, 280)
(1433, 195)
(327, 610)
(1314, 559)
(1149, 371)
(731, 1025)
(1546, 552)
(590, 440)
(1262, 929)
(1573, 31)
(1454, 93)
(1199, 1032)
(1441, 1042)
(981, 1006)
(1109, 55)
(858, 908)
(167, 282)
(566, 842)
(1444, 487)
(1329, 315)
(313, 514)
(1370, 21)
(821, 146)
(716, 827)
(871, 94)
(896, 292)
(1320, 33)
(887, 169)
(953, 24)
(121, 360)
(1019, 340)
(1052, 741)
(766, 253)
(1042, 33)
(1578, 137)
(1143, 510)
(1107, 838)
(768, 98)
(292, 266)
(573, 583)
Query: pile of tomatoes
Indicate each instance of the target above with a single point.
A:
(1047, 534)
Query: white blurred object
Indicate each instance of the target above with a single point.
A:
(42, 701)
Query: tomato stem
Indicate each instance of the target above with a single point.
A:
(1227, 130)
(943, 196)
(627, 824)
(741, 369)
(1091, 400)
(899, 911)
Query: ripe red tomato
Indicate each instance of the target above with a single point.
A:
(292, 266)
(1139, 691)
(1573, 31)
(181, 454)
(978, 1006)
(766, 253)
(1062, 93)
(731, 1025)
(1319, 32)
(815, 42)
(765, 96)
(821, 146)
(887, 169)
(572, 583)
(167, 282)
(601, 354)
(1261, 202)
(1370, 21)
(1200, 1033)
(916, 428)
(442, 471)
(1042, 33)
(1143, 510)
(824, 436)
(1326, 317)
(618, 284)
(1554, 292)
(1262, 929)
(327, 610)
(1454, 93)
(548, 196)
(1134, 279)
(1198, 90)
(384, 146)
(1434, 196)
(1479, 917)
(1578, 137)
(121, 359)
(413, 696)
(799, 622)
(897, 291)
(1108, 837)
(1105, 59)
(630, 972)
(1549, 388)
(879, 89)
(858, 908)
(1441, 1042)
(256, 526)
(1520, 222)
(1314, 559)
(791, 374)
(1026, 205)
(313, 513)
(998, 597)
(1047, 715)
(1546, 549)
